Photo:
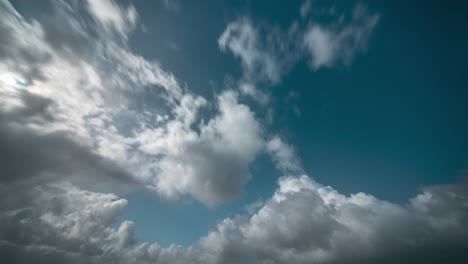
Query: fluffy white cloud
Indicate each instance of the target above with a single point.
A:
(302, 222)
(211, 163)
(307, 222)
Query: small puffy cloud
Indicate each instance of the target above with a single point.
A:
(284, 155)
(329, 45)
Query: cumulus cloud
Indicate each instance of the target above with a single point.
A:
(305, 222)
(302, 222)
(211, 163)
(68, 225)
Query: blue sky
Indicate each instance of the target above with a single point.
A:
(233, 132)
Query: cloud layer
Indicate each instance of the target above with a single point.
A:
(302, 222)
(306, 222)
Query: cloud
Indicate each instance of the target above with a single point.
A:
(93, 86)
(86, 91)
(29, 158)
(305, 8)
(305, 222)
(113, 17)
(284, 155)
(258, 95)
(71, 117)
(53, 107)
(241, 38)
(68, 225)
(211, 162)
(339, 42)
(302, 222)
(268, 52)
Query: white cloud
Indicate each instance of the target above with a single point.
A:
(320, 43)
(284, 155)
(259, 96)
(68, 225)
(242, 38)
(211, 164)
(302, 222)
(82, 91)
(307, 222)
(113, 17)
(329, 45)
(268, 52)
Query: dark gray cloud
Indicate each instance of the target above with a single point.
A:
(29, 158)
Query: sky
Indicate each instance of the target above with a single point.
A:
(169, 131)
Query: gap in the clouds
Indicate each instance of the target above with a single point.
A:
(183, 222)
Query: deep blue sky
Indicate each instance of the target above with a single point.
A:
(390, 123)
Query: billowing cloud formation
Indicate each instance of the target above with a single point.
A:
(68, 225)
(268, 52)
(71, 90)
(305, 222)
(211, 164)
